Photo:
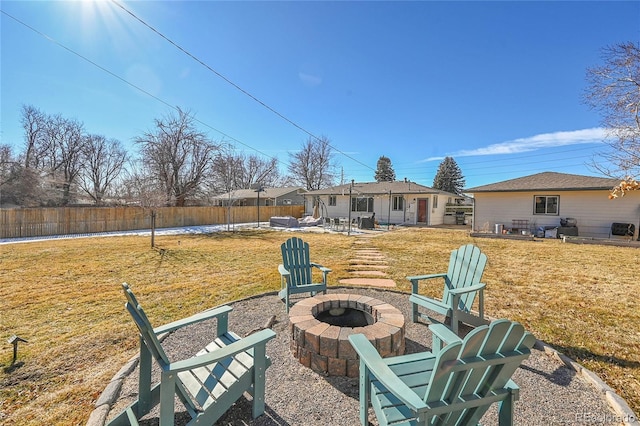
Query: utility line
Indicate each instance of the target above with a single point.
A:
(57, 43)
(50, 39)
(501, 159)
(265, 105)
(537, 154)
(511, 161)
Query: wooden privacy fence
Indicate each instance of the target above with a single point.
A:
(39, 222)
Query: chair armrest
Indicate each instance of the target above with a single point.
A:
(470, 289)
(283, 271)
(441, 336)
(414, 280)
(322, 268)
(213, 313)
(425, 277)
(377, 367)
(256, 339)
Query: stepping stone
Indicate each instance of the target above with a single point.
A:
(370, 256)
(373, 282)
(367, 262)
(360, 266)
(372, 273)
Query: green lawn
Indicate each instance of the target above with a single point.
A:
(64, 297)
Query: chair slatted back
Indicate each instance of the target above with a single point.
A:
(144, 327)
(295, 258)
(466, 267)
(467, 371)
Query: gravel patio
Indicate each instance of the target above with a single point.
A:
(551, 393)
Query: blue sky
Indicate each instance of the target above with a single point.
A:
(496, 85)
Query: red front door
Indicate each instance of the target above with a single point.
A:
(423, 205)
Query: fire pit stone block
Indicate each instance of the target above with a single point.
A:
(325, 347)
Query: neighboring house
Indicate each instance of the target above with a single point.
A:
(397, 202)
(292, 195)
(544, 199)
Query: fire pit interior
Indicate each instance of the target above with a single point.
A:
(346, 317)
(321, 326)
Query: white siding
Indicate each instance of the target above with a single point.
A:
(381, 208)
(436, 216)
(593, 210)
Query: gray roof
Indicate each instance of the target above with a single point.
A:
(265, 193)
(379, 188)
(548, 181)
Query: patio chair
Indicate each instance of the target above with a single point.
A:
(207, 384)
(296, 275)
(454, 385)
(461, 283)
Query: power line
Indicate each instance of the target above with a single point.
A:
(500, 159)
(512, 161)
(227, 80)
(102, 68)
(111, 73)
(536, 154)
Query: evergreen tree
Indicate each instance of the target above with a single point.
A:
(449, 177)
(384, 172)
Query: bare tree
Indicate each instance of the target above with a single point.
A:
(25, 186)
(238, 171)
(18, 185)
(8, 168)
(52, 154)
(224, 170)
(313, 166)
(103, 162)
(64, 144)
(614, 90)
(260, 170)
(140, 189)
(34, 123)
(177, 156)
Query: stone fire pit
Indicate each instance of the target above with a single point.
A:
(321, 326)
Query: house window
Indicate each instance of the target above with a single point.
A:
(268, 202)
(286, 202)
(546, 204)
(398, 202)
(332, 200)
(435, 201)
(362, 204)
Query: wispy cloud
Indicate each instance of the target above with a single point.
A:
(310, 79)
(533, 143)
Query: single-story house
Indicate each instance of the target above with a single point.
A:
(397, 202)
(286, 196)
(546, 200)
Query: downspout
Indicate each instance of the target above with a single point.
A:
(389, 215)
(349, 204)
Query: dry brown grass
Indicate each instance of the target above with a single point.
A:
(64, 297)
(581, 299)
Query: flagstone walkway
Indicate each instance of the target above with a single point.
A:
(368, 265)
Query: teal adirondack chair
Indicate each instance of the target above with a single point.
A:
(207, 384)
(454, 385)
(296, 274)
(461, 284)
